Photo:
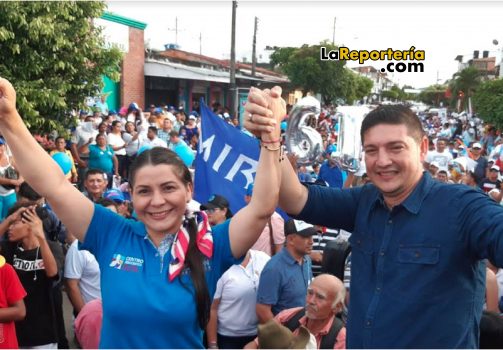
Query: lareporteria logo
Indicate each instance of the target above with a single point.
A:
(126, 263)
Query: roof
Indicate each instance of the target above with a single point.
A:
(112, 17)
(181, 71)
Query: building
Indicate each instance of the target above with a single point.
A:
(380, 80)
(485, 65)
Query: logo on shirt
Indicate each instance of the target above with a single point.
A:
(126, 263)
(28, 265)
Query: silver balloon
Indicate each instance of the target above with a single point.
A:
(301, 138)
(349, 146)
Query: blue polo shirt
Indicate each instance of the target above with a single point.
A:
(283, 282)
(141, 308)
(417, 280)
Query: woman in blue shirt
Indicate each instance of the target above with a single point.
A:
(159, 273)
(102, 156)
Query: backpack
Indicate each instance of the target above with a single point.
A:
(328, 340)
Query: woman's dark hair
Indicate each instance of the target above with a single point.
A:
(194, 258)
(41, 211)
(394, 115)
(105, 202)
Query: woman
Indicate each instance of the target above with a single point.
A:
(132, 140)
(115, 140)
(102, 157)
(233, 320)
(189, 130)
(61, 148)
(7, 186)
(153, 296)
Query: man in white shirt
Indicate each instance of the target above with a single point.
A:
(152, 139)
(440, 155)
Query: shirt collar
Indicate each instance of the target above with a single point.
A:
(324, 330)
(289, 258)
(413, 202)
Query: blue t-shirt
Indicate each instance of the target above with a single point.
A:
(417, 279)
(283, 282)
(141, 308)
(99, 159)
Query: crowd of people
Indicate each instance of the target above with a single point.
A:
(362, 260)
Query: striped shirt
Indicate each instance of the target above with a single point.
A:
(320, 240)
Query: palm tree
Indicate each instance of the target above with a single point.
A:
(465, 83)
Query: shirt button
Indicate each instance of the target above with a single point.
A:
(381, 253)
(390, 221)
(369, 323)
(417, 255)
(378, 289)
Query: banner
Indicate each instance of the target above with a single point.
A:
(226, 161)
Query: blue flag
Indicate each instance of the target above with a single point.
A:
(226, 161)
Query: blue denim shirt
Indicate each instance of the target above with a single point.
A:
(417, 279)
(283, 282)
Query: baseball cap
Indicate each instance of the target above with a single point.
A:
(299, 227)
(215, 201)
(114, 195)
(477, 145)
(193, 117)
(495, 167)
(435, 164)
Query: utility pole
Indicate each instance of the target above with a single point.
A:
(200, 43)
(254, 54)
(333, 33)
(176, 30)
(232, 83)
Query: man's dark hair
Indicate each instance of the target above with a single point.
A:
(26, 191)
(394, 115)
(105, 202)
(153, 129)
(93, 172)
(173, 133)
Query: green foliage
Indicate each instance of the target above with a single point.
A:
(54, 57)
(466, 81)
(433, 95)
(488, 102)
(307, 72)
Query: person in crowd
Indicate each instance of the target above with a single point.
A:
(102, 157)
(152, 140)
(482, 163)
(115, 140)
(330, 173)
(85, 133)
(61, 148)
(324, 301)
(390, 221)
(469, 179)
(179, 122)
(12, 305)
(285, 278)
(95, 184)
(233, 321)
(442, 176)
(82, 276)
(441, 155)
(36, 261)
(118, 199)
(491, 292)
(88, 324)
(303, 174)
(176, 285)
(133, 142)
(7, 185)
(320, 240)
(272, 238)
(163, 133)
(217, 208)
(492, 180)
(190, 129)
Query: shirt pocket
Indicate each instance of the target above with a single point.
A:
(419, 254)
(363, 264)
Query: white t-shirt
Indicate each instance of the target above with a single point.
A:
(82, 265)
(116, 141)
(442, 158)
(237, 291)
(156, 142)
(131, 146)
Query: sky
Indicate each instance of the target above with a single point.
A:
(443, 29)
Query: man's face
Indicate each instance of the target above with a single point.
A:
(302, 245)
(150, 135)
(166, 124)
(493, 175)
(319, 301)
(393, 159)
(440, 146)
(95, 184)
(476, 151)
(442, 177)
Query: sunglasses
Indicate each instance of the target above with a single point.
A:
(211, 211)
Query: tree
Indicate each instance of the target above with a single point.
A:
(308, 72)
(465, 83)
(488, 102)
(434, 95)
(55, 57)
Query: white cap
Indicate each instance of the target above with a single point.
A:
(477, 145)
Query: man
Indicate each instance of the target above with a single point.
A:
(152, 139)
(416, 281)
(163, 134)
(285, 278)
(95, 184)
(271, 240)
(492, 180)
(442, 176)
(324, 300)
(217, 208)
(441, 155)
(480, 169)
(331, 173)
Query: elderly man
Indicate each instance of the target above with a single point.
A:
(324, 300)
